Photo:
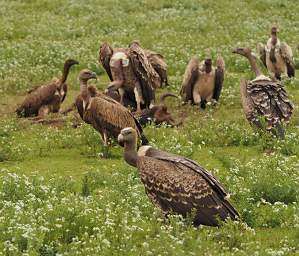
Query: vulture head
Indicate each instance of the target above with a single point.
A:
(70, 62)
(86, 75)
(105, 52)
(208, 65)
(127, 136)
(137, 42)
(274, 31)
(246, 52)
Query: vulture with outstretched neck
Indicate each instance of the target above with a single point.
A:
(177, 185)
(264, 98)
(133, 70)
(158, 114)
(46, 98)
(277, 56)
(202, 82)
(106, 115)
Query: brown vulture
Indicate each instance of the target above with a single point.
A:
(277, 56)
(133, 71)
(177, 185)
(158, 114)
(46, 98)
(202, 82)
(106, 115)
(264, 98)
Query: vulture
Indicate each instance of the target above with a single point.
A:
(46, 98)
(158, 113)
(202, 82)
(106, 115)
(135, 71)
(277, 56)
(177, 185)
(264, 98)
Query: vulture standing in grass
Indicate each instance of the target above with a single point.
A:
(277, 56)
(177, 185)
(202, 82)
(106, 115)
(158, 113)
(133, 71)
(263, 97)
(47, 98)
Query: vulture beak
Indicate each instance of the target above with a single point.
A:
(93, 76)
(235, 51)
(120, 139)
(76, 62)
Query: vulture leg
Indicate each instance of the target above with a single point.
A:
(278, 131)
(196, 98)
(105, 139)
(138, 96)
(121, 93)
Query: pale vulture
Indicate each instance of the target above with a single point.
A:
(202, 82)
(277, 56)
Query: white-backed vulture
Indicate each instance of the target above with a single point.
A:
(158, 113)
(202, 82)
(46, 98)
(134, 70)
(264, 98)
(177, 185)
(106, 115)
(277, 56)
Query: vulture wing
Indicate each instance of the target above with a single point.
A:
(248, 106)
(270, 101)
(110, 116)
(158, 63)
(262, 52)
(105, 55)
(219, 77)
(42, 95)
(287, 55)
(177, 184)
(190, 77)
(146, 74)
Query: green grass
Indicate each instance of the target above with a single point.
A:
(59, 196)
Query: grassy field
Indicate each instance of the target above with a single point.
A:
(58, 196)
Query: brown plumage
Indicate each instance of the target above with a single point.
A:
(106, 115)
(158, 113)
(277, 56)
(202, 82)
(177, 185)
(46, 98)
(134, 70)
(263, 97)
(159, 65)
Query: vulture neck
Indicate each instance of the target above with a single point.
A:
(254, 66)
(84, 91)
(65, 73)
(208, 68)
(272, 50)
(131, 153)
